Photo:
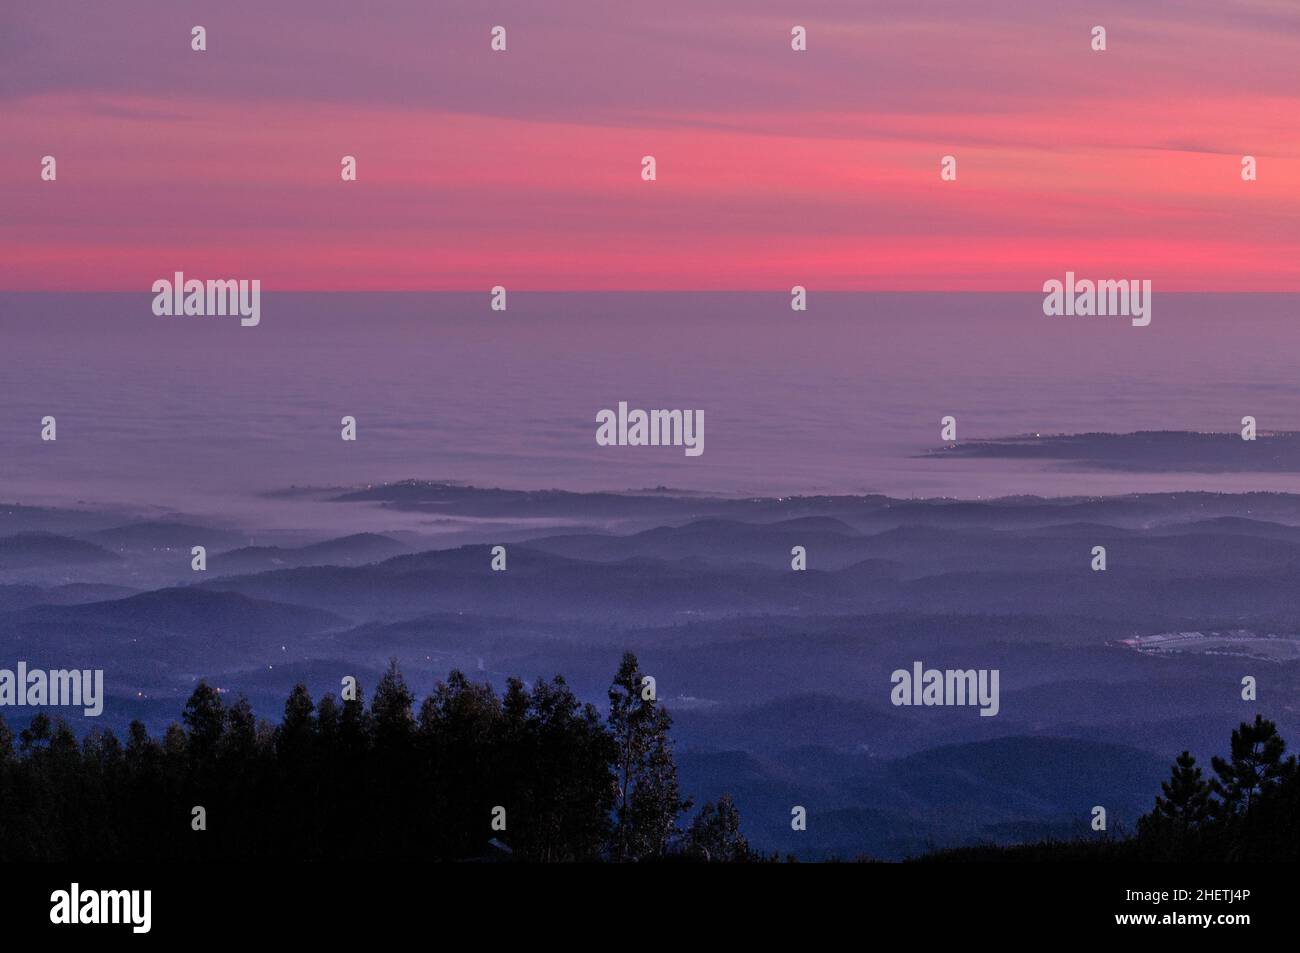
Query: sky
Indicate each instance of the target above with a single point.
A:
(775, 167)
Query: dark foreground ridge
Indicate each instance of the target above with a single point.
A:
(533, 775)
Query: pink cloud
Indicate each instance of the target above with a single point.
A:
(774, 167)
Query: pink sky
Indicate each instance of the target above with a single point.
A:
(775, 168)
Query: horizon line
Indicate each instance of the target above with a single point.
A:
(632, 290)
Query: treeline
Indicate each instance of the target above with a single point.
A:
(529, 775)
(1246, 809)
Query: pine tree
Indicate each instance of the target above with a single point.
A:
(175, 744)
(1186, 801)
(240, 742)
(1184, 810)
(646, 798)
(140, 748)
(327, 721)
(393, 797)
(298, 729)
(354, 726)
(391, 708)
(205, 717)
(1256, 764)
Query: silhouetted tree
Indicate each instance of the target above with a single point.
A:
(1255, 763)
(714, 834)
(36, 735)
(354, 726)
(456, 731)
(391, 708)
(1171, 830)
(327, 721)
(647, 802)
(345, 781)
(297, 731)
(556, 770)
(240, 741)
(205, 719)
(1186, 801)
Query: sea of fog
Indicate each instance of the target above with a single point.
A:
(201, 415)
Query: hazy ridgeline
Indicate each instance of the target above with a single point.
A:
(844, 398)
(778, 681)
